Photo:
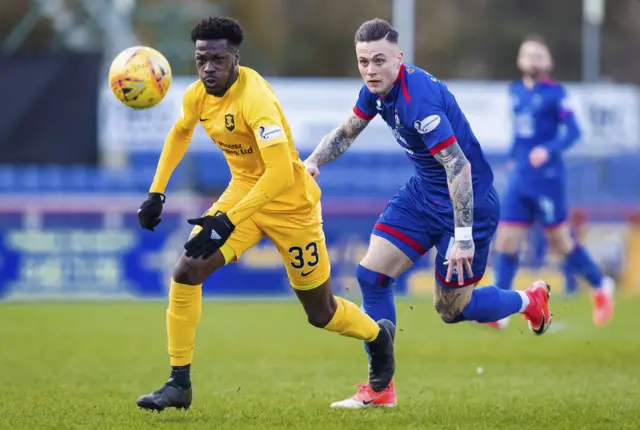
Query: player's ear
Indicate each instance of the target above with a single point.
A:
(400, 56)
(237, 58)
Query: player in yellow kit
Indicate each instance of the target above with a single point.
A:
(270, 194)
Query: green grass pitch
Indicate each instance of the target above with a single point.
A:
(259, 365)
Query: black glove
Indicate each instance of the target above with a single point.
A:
(150, 210)
(216, 229)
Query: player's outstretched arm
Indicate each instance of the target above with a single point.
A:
(175, 146)
(177, 141)
(337, 141)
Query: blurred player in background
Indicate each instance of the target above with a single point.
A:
(540, 248)
(544, 128)
(449, 204)
(539, 242)
(270, 194)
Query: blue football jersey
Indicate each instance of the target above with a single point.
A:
(425, 118)
(541, 116)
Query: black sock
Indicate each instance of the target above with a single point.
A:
(181, 375)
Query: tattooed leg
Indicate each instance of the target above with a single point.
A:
(450, 302)
(483, 304)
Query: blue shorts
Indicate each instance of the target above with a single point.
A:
(544, 202)
(415, 226)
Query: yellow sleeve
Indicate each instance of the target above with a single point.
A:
(277, 178)
(262, 113)
(176, 143)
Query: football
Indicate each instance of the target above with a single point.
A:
(140, 77)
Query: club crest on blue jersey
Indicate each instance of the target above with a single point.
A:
(401, 140)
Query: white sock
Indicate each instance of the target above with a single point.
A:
(525, 300)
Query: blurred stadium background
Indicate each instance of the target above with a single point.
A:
(75, 164)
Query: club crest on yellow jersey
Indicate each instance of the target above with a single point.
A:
(230, 122)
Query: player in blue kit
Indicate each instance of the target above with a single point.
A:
(544, 127)
(449, 203)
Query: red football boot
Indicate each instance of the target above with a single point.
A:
(537, 312)
(365, 397)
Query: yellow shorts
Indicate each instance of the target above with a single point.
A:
(298, 237)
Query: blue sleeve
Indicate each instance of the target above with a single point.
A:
(365, 106)
(569, 129)
(433, 126)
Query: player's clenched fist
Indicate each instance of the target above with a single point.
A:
(216, 229)
(150, 211)
(312, 169)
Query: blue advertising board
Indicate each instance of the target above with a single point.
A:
(73, 253)
(75, 250)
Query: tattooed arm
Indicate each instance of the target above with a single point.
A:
(338, 141)
(460, 183)
(450, 302)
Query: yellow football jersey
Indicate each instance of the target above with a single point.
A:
(245, 119)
